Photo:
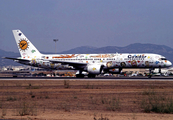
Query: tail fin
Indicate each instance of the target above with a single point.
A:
(26, 48)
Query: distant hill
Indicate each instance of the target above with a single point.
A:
(5, 62)
(132, 48)
(7, 54)
(82, 49)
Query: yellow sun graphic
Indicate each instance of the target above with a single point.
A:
(23, 44)
(94, 69)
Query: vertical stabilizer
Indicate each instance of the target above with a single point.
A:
(26, 48)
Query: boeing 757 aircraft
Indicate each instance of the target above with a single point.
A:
(94, 64)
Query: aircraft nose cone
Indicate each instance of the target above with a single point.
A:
(169, 63)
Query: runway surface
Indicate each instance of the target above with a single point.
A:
(160, 78)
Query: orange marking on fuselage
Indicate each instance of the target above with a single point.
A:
(65, 56)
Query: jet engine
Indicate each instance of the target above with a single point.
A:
(113, 71)
(94, 69)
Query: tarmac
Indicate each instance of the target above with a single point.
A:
(154, 78)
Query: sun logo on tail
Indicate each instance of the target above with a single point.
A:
(23, 44)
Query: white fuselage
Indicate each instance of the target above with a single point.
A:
(110, 61)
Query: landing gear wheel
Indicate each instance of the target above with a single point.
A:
(91, 76)
(149, 76)
(80, 76)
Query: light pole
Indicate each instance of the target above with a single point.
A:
(55, 40)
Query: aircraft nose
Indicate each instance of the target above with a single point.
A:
(168, 64)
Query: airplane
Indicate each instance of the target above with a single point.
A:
(94, 64)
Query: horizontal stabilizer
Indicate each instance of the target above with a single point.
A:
(15, 59)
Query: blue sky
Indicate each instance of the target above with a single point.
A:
(76, 23)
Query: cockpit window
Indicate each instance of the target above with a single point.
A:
(162, 59)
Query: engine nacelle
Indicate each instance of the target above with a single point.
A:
(94, 69)
(114, 71)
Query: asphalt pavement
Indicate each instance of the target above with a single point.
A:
(160, 78)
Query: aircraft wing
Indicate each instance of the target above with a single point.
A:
(23, 60)
(74, 64)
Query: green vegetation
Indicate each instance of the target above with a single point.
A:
(27, 109)
(112, 104)
(154, 102)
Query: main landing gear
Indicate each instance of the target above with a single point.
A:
(91, 76)
(80, 76)
(150, 73)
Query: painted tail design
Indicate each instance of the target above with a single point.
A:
(26, 48)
